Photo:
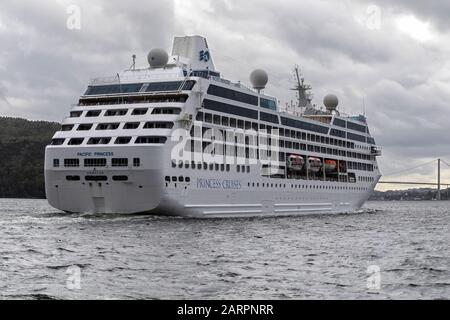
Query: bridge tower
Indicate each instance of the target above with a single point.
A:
(438, 196)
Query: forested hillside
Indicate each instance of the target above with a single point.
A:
(22, 147)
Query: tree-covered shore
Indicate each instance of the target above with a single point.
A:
(22, 150)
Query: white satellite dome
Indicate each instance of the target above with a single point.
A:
(331, 102)
(259, 79)
(157, 58)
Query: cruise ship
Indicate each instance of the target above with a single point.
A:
(175, 138)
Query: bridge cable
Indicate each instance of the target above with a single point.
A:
(401, 171)
(448, 165)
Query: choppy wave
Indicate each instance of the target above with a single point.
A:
(143, 257)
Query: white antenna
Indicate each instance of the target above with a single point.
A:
(364, 107)
(133, 66)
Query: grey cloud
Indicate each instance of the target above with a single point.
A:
(52, 64)
(436, 11)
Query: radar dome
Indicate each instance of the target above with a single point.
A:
(259, 79)
(157, 58)
(331, 102)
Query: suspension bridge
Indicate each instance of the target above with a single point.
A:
(437, 183)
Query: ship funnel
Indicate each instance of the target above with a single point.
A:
(259, 79)
(194, 48)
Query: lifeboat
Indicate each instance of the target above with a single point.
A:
(295, 162)
(330, 165)
(314, 164)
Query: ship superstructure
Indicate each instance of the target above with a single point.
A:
(177, 139)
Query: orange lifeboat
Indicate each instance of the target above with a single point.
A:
(330, 165)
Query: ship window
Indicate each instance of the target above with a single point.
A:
(232, 95)
(93, 113)
(96, 162)
(232, 122)
(225, 121)
(230, 109)
(66, 127)
(216, 119)
(357, 127)
(73, 178)
(134, 99)
(114, 88)
(84, 127)
(304, 125)
(180, 179)
(208, 117)
(139, 112)
(167, 178)
(107, 126)
(240, 124)
(174, 179)
(99, 140)
(151, 140)
(164, 86)
(166, 111)
(356, 137)
(122, 140)
(76, 141)
(57, 142)
(56, 163)
(268, 117)
(187, 179)
(119, 162)
(116, 112)
(131, 125)
(120, 178)
(158, 125)
(136, 162)
(71, 162)
(75, 114)
(96, 178)
(268, 104)
(339, 122)
(199, 116)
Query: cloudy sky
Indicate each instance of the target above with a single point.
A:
(395, 58)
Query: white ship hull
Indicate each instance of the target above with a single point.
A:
(146, 191)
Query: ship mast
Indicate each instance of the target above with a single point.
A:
(302, 90)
